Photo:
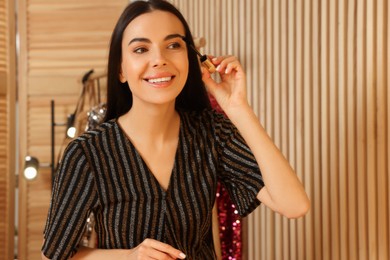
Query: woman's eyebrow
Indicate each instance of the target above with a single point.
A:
(146, 40)
(175, 35)
(139, 40)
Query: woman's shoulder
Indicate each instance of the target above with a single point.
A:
(210, 119)
(100, 132)
(203, 116)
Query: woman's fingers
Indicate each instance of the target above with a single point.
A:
(226, 64)
(165, 248)
(208, 80)
(158, 250)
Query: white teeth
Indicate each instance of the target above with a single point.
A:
(165, 79)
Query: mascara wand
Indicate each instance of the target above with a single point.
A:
(203, 58)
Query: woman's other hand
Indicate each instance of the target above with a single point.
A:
(148, 249)
(153, 249)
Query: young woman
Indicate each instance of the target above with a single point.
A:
(149, 173)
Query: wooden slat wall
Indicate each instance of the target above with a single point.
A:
(3, 127)
(7, 129)
(3, 45)
(318, 79)
(4, 175)
(59, 42)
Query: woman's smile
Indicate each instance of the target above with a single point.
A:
(160, 81)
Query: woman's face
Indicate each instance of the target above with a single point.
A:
(154, 58)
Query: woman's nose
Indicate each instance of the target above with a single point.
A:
(159, 59)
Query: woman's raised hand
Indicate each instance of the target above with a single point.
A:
(230, 92)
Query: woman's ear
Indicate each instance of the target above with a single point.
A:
(121, 77)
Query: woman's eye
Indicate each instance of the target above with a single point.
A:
(174, 45)
(140, 50)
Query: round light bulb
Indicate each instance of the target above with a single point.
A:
(71, 132)
(30, 173)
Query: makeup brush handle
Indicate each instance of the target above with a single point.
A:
(209, 65)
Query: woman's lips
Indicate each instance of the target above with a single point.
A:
(160, 80)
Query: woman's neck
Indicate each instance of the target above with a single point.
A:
(153, 123)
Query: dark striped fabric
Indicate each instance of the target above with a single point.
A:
(101, 171)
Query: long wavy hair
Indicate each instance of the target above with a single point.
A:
(193, 97)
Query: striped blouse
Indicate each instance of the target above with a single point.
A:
(102, 172)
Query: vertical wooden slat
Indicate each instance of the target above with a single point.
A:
(307, 119)
(269, 126)
(387, 111)
(258, 94)
(225, 28)
(12, 131)
(22, 97)
(316, 211)
(352, 130)
(387, 86)
(198, 13)
(292, 58)
(205, 17)
(284, 145)
(278, 117)
(245, 41)
(371, 126)
(7, 129)
(260, 217)
(299, 110)
(4, 189)
(342, 128)
(325, 198)
(382, 129)
(236, 26)
(217, 29)
(386, 78)
(333, 129)
(361, 130)
(209, 23)
(287, 92)
(255, 54)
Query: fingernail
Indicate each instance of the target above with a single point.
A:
(182, 255)
(218, 67)
(214, 59)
